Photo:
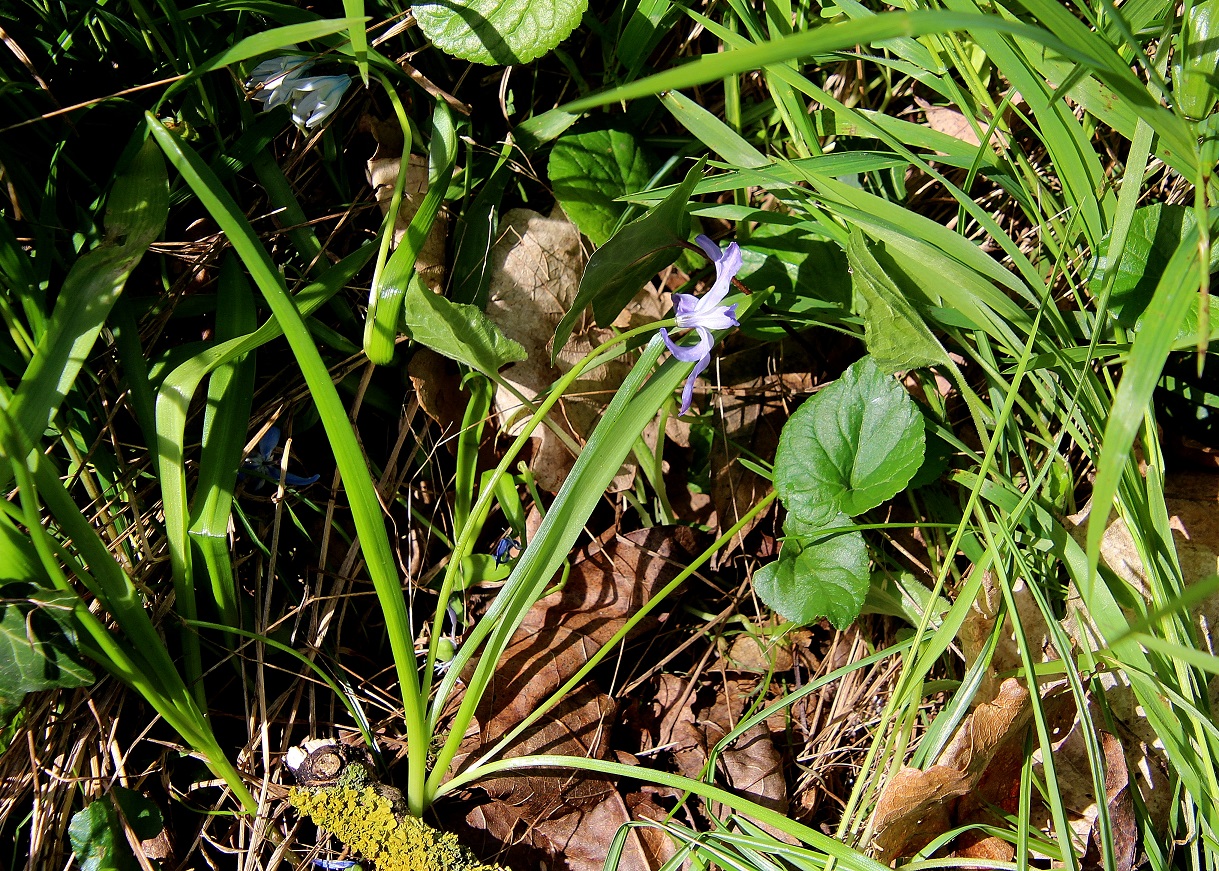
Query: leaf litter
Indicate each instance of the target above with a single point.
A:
(565, 817)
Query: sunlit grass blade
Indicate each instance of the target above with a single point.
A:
(262, 43)
(135, 217)
(141, 659)
(230, 393)
(354, 10)
(1174, 293)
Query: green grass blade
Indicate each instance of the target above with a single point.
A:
(1173, 296)
(389, 285)
(135, 217)
(262, 43)
(357, 32)
(230, 393)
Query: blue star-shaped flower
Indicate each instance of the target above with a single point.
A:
(704, 314)
(261, 463)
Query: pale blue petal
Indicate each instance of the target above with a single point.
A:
(687, 393)
(691, 354)
(709, 248)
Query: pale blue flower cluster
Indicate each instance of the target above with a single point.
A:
(282, 81)
(704, 314)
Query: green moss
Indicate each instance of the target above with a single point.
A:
(366, 817)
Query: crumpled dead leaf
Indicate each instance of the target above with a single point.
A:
(691, 725)
(1122, 821)
(536, 266)
(952, 122)
(573, 817)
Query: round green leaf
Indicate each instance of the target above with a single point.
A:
(812, 578)
(850, 447)
(499, 32)
(589, 171)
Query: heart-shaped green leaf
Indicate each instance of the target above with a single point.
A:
(37, 644)
(589, 171)
(498, 32)
(850, 447)
(826, 576)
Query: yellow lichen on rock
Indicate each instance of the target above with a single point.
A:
(362, 814)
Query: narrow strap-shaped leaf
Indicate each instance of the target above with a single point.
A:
(1162, 319)
(365, 506)
(262, 43)
(140, 660)
(135, 218)
(389, 285)
(354, 10)
(174, 398)
(230, 393)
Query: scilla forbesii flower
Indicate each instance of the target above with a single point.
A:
(704, 314)
(282, 81)
(263, 463)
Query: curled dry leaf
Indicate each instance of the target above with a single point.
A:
(691, 726)
(537, 264)
(979, 767)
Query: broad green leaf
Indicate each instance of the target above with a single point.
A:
(850, 447)
(498, 32)
(141, 813)
(895, 333)
(620, 267)
(809, 275)
(97, 839)
(460, 332)
(37, 644)
(589, 171)
(825, 576)
(18, 556)
(1155, 233)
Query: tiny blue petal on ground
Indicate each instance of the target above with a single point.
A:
(262, 463)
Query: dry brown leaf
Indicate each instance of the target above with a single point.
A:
(437, 383)
(583, 836)
(759, 654)
(1122, 821)
(570, 816)
(536, 266)
(914, 808)
(690, 728)
(953, 122)
(980, 767)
